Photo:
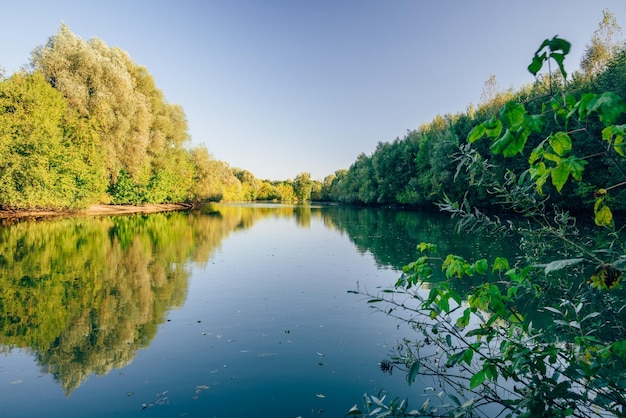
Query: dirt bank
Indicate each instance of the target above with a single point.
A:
(95, 210)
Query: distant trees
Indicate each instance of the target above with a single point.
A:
(420, 168)
(302, 187)
(605, 44)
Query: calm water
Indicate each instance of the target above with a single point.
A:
(235, 311)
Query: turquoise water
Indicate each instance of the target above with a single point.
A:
(236, 311)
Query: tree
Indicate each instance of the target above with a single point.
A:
(302, 186)
(249, 184)
(604, 45)
(47, 157)
(488, 350)
(490, 90)
(141, 135)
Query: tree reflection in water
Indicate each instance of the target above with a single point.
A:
(84, 294)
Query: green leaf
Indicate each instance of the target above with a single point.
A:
(576, 166)
(493, 127)
(468, 355)
(609, 107)
(561, 143)
(503, 143)
(454, 359)
(559, 60)
(552, 157)
(558, 44)
(517, 146)
(512, 114)
(413, 372)
(481, 266)
(479, 331)
(536, 154)
(476, 133)
(462, 321)
(534, 123)
(615, 134)
(477, 379)
(500, 264)
(559, 176)
(537, 63)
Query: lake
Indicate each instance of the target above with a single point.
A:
(229, 311)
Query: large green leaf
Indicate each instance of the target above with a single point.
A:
(477, 379)
(559, 175)
(512, 114)
(503, 143)
(476, 133)
(609, 107)
(576, 166)
(561, 143)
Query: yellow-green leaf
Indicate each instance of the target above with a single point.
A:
(604, 216)
(559, 176)
(561, 143)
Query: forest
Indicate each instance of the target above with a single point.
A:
(84, 124)
(418, 170)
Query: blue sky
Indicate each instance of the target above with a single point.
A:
(279, 87)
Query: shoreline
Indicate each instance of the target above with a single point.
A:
(95, 210)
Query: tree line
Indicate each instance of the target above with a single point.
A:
(84, 124)
(421, 167)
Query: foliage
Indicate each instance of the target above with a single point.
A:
(544, 335)
(302, 187)
(88, 125)
(47, 151)
(417, 169)
(604, 45)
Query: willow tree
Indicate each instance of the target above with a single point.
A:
(141, 134)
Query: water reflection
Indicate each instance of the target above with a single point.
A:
(84, 294)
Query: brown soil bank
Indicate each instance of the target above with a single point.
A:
(96, 210)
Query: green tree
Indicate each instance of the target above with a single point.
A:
(47, 157)
(249, 184)
(140, 134)
(302, 186)
(605, 43)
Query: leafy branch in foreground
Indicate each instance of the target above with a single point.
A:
(543, 335)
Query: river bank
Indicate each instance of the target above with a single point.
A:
(94, 210)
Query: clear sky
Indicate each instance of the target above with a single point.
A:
(279, 87)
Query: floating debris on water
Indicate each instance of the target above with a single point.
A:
(266, 355)
(161, 399)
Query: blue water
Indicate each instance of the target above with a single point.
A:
(267, 329)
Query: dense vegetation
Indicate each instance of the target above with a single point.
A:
(87, 125)
(541, 334)
(418, 169)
